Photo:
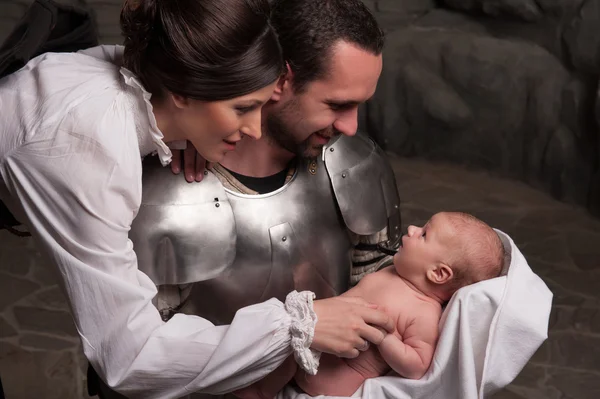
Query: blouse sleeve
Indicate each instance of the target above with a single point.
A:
(79, 202)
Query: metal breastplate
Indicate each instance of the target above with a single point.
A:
(242, 249)
(292, 238)
(183, 232)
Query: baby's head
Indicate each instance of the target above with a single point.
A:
(451, 251)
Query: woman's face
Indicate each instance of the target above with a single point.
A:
(214, 127)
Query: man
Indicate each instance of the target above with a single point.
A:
(333, 50)
(305, 207)
(295, 238)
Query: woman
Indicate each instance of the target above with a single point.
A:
(73, 130)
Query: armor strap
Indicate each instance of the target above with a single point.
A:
(376, 247)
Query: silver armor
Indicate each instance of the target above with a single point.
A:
(242, 249)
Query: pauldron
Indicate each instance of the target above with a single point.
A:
(364, 185)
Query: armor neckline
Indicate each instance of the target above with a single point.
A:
(265, 195)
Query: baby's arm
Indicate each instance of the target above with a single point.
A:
(411, 356)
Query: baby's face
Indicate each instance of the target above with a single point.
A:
(422, 247)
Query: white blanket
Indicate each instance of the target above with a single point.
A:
(489, 331)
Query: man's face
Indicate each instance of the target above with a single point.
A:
(303, 122)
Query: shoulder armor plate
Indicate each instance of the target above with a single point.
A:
(364, 185)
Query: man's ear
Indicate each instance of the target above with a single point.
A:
(440, 274)
(283, 84)
(180, 101)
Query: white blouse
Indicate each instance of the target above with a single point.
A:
(73, 129)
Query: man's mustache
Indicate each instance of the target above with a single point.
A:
(329, 132)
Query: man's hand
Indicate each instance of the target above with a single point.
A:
(344, 324)
(194, 166)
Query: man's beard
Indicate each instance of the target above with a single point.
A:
(281, 134)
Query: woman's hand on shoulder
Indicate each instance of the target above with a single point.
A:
(194, 165)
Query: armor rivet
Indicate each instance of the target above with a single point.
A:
(217, 205)
(284, 238)
(216, 199)
(312, 171)
(205, 172)
(343, 175)
(396, 227)
(396, 206)
(331, 149)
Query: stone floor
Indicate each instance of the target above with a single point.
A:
(40, 355)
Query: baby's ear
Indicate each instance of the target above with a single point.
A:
(440, 274)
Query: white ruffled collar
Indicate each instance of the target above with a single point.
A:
(163, 151)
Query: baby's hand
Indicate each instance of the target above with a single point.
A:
(390, 337)
(386, 333)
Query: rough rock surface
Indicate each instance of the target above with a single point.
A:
(507, 85)
(483, 101)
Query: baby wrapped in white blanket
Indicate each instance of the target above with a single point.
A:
(488, 332)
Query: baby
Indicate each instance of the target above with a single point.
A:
(451, 251)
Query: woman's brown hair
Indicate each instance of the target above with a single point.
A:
(208, 50)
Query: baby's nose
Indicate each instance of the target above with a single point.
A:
(412, 230)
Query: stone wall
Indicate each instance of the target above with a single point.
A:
(507, 85)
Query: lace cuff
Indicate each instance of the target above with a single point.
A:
(299, 305)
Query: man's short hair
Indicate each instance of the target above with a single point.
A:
(308, 29)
